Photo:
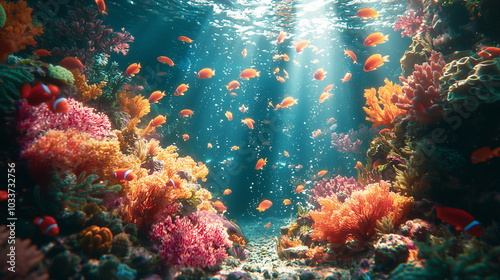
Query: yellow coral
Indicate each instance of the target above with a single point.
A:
(136, 107)
(174, 164)
(85, 91)
(385, 115)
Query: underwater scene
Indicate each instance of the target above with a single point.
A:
(259, 139)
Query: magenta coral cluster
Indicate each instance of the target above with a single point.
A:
(31, 121)
(421, 92)
(88, 35)
(195, 241)
(340, 186)
(352, 141)
(412, 23)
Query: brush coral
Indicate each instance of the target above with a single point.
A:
(357, 217)
(377, 114)
(85, 91)
(136, 107)
(18, 30)
(174, 164)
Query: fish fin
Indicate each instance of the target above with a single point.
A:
(385, 58)
(386, 37)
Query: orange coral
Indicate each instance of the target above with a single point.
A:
(357, 217)
(136, 107)
(18, 30)
(236, 239)
(85, 91)
(385, 115)
(174, 164)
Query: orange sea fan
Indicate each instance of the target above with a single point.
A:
(136, 107)
(174, 164)
(358, 215)
(85, 91)
(385, 115)
(18, 30)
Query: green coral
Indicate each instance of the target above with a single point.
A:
(61, 74)
(2, 16)
(11, 80)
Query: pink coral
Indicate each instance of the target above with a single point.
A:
(195, 241)
(340, 186)
(411, 23)
(351, 142)
(31, 121)
(421, 92)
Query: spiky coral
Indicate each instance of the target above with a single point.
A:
(136, 107)
(85, 91)
(193, 241)
(357, 217)
(385, 115)
(18, 30)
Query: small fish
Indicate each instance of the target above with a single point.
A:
(249, 122)
(39, 93)
(351, 55)
(233, 94)
(489, 52)
(484, 154)
(101, 6)
(268, 225)
(286, 103)
(260, 163)
(286, 154)
(383, 131)
(325, 95)
(367, 13)
(244, 53)
(133, 69)
(158, 120)
(209, 146)
(125, 174)
(315, 61)
(249, 73)
(299, 167)
(328, 88)
(264, 205)
(220, 206)
(184, 39)
(287, 201)
(281, 37)
(155, 96)
(243, 109)
(316, 133)
(299, 47)
(58, 105)
(181, 89)
(235, 148)
(375, 61)
(280, 79)
(175, 183)
(74, 63)
(205, 73)
(319, 74)
(227, 191)
(4, 195)
(185, 113)
(43, 52)
(276, 70)
(322, 173)
(229, 116)
(347, 77)
(47, 225)
(164, 59)
(299, 188)
(185, 137)
(460, 219)
(374, 39)
(286, 74)
(233, 85)
(331, 120)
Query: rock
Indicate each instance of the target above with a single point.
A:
(390, 251)
(309, 276)
(266, 274)
(296, 252)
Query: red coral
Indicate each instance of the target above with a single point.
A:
(18, 30)
(411, 23)
(194, 241)
(421, 94)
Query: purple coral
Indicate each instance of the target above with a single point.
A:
(411, 23)
(195, 241)
(35, 120)
(421, 91)
(340, 186)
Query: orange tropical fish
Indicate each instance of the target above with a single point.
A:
(315, 61)
(43, 52)
(281, 37)
(489, 52)
(260, 163)
(287, 201)
(367, 13)
(229, 116)
(233, 85)
(47, 225)
(280, 79)
(243, 109)
(287, 102)
(244, 53)
(316, 133)
(233, 94)
(159, 120)
(73, 62)
(461, 219)
(319, 74)
(324, 95)
(286, 74)
(185, 39)
(374, 39)
(249, 122)
(385, 130)
(209, 146)
(484, 154)
(299, 166)
(285, 57)
(249, 73)
(133, 69)
(347, 77)
(328, 88)
(164, 59)
(270, 104)
(268, 225)
(185, 137)
(155, 96)
(181, 89)
(299, 188)
(235, 148)
(58, 105)
(227, 191)
(331, 120)
(220, 206)
(125, 174)
(205, 73)
(101, 6)
(322, 173)
(264, 205)
(185, 113)
(175, 183)
(276, 70)
(375, 61)
(351, 55)
(286, 154)
(299, 47)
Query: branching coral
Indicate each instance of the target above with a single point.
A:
(85, 91)
(136, 107)
(342, 187)
(412, 23)
(193, 241)
(174, 164)
(346, 143)
(357, 217)
(18, 30)
(385, 115)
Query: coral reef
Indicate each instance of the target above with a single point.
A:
(340, 186)
(85, 91)
(345, 142)
(18, 30)
(412, 23)
(378, 115)
(96, 241)
(391, 250)
(136, 107)
(193, 241)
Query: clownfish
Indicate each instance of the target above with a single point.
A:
(460, 219)
(47, 225)
(39, 93)
(4, 195)
(125, 175)
(59, 105)
(176, 183)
